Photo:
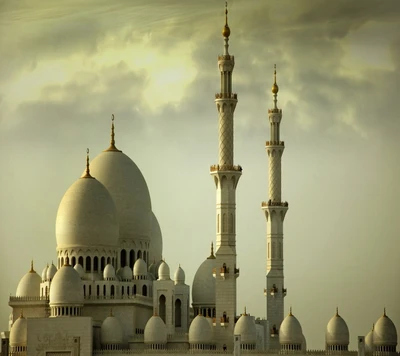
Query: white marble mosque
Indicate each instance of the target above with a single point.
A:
(111, 293)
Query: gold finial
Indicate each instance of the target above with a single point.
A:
(87, 172)
(245, 311)
(226, 31)
(32, 270)
(275, 87)
(337, 311)
(290, 311)
(211, 257)
(112, 142)
(384, 312)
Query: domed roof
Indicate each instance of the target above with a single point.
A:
(246, 327)
(87, 216)
(152, 268)
(128, 188)
(140, 268)
(203, 288)
(156, 243)
(155, 331)
(163, 271)
(78, 267)
(369, 340)
(200, 331)
(179, 276)
(66, 288)
(44, 273)
(290, 331)
(385, 333)
(125, 273)
(337, 332)
(51, 272)
(29, 285)
(111, 331)
(109, 272)
(304, 344)
(18, 333)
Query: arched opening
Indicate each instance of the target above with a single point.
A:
(161, 307)
(112, 291)
(98, 290)
(123, 258)
(62, 262)
(144, 256)
(95, 264)
(134, 289)
(108, 260)
(88, 262)
(73, 261)
(122, 290)
(104, 290)
(139, 254)
(80, 260)
(84, 290)
(144, 290)
(90, 291)
(131, 258)
(127, 290)
(178, 313)
(102, 264)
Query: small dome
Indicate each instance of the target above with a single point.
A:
(109, 272)
(203, 288)
(246, 327)
(78, 267)
(140, 268)
(152, 269)
(200, 331)
(18, 333)
(29, 285)
(66, 288)
(155, 331)
(369, 341)
(179, 276)
(290, 332)
(163, 271)
(111, 331)
(337, 332)
(156, 242)
(385, 333)
(44, 273)
(128, 188)
(87, 216)
(126, 273)
(51, 272)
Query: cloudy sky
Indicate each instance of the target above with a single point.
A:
(67, 66)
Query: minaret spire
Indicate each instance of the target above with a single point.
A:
(226, 176)
(275, 210)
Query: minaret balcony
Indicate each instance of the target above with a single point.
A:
(225, 168)
(265, 204)
(275, 143)
(273, 290)
(276, 110)
(274, 332)
(225, 96)
(225, 57)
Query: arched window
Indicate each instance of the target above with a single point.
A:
(104, 290)
(102, 264)
(123, 258)
(95, 264)
(98, 290)
(134, 289)
(108, 260)
(178, 313)
(144, 256)
(131, 258)
(90, 290)
(84, 290)
(62, 262)
(73, 261)
(112, 291)
(161, 307)
(88, 262)
(122, 290)
(144, 290)
(139, 254)
(80, 260)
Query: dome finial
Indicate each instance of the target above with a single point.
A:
(290, 311)
(245, 313)
(112, 142)
(384, 311)
(337, 311)
(31, 270)
(275, 87)
(212, 252)
(87, 172)
(226, 31)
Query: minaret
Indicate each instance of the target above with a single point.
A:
(226, 176)
(275, 210)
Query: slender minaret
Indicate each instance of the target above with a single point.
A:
(275, 210)
(226, 176)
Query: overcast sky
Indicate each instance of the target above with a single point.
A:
(67, 66)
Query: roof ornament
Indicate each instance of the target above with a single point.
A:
(337, 311)
(87, 172)
(112, 142)
(245, 312)
(384, 312)
(212, 252)
(226, 31)
(275, 89)
(290, 311)
(32, 270)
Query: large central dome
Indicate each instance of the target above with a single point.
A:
(128, 188)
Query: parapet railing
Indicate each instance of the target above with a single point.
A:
(29, 299)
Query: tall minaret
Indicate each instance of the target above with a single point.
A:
(275, 210)
(226, 176)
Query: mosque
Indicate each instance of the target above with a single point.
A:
(111, 293)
